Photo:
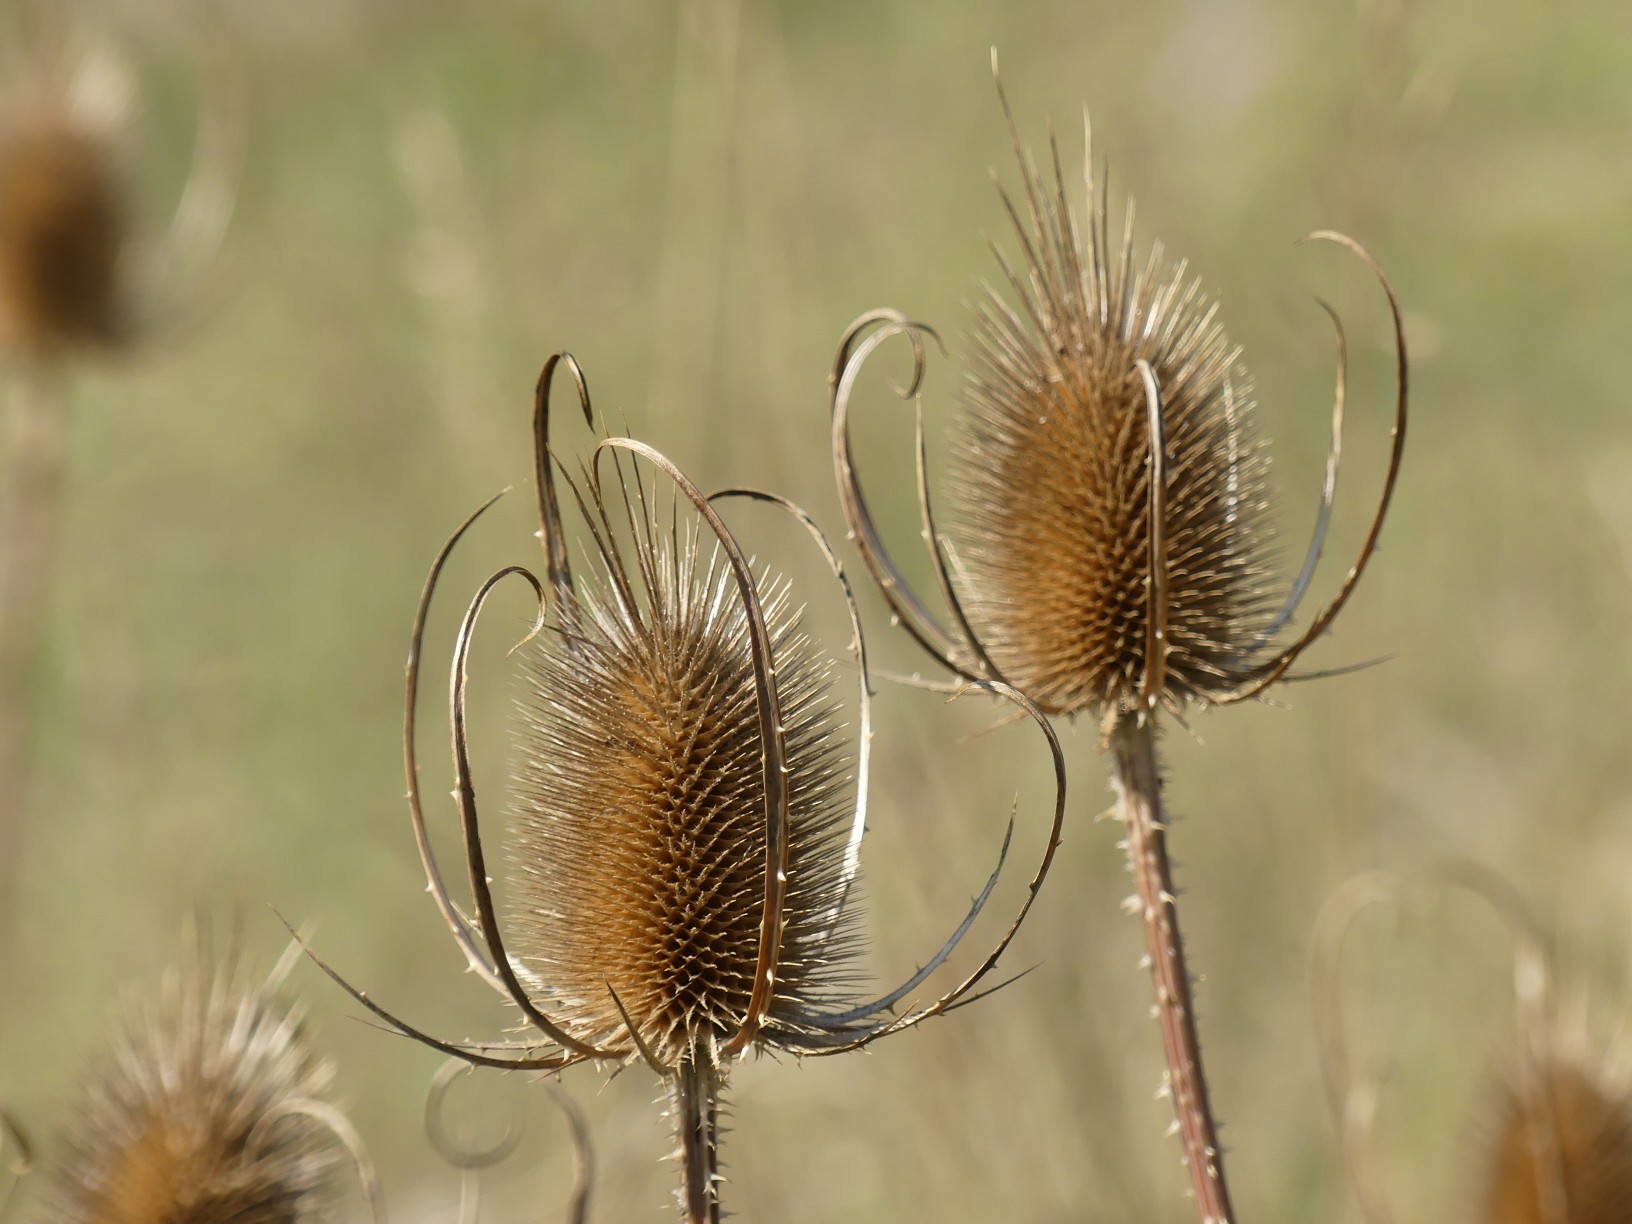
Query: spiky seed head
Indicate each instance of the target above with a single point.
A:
(187, 1120)
(1052, 463)
(641, 823)
(64, 211)
(1563, 1149)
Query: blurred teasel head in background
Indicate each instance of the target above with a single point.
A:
(211, 1105)
(1108, 548)
(1562, 1150)
(77, 270)
(64, 207)
(689, 804)
(1555, 1129)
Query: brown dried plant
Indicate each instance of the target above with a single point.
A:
(1563, 1151)
(1109, 551)
(75, 278)
(1558, 1133)
(685, 845)
(211, 1107)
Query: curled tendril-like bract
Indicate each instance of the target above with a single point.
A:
(472, 1160)
(1106, 551)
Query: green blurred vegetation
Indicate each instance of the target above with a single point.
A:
(695, 200)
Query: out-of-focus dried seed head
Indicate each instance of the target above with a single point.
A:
(1052, 470)
(640, 850)
(1563, 1150)
(64, 215)
(193, 1117)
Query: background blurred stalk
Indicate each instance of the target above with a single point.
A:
(29, 521)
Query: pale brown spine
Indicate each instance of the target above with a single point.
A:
(1139, 794)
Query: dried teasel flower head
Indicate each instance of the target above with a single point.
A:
(1109, 489)
(76, 273)
(211, 1106)
(1562, 1152)
(1557, 1132)
(686, 836)
(641, 841)
(64, 208)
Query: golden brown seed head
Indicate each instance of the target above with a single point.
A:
(186, 1120)
(640, 846)
(64, 225)
(1053, 461)
(1563, 1154)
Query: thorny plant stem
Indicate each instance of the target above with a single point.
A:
(29, 511)
(1139, 802)
(696, 1122)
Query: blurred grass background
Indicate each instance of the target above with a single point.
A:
(695, 200)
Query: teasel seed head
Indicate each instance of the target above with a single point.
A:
(64, 210)
(1110, 546)
(78, 272)
(640, 845)
(1051, 480)
(208, 1109)
(688, 841)
(1562, 1152)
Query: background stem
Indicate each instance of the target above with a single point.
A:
(29, 519)
(1139, 802)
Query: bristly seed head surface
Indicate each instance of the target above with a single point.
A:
(640, 844)
(1051, 482)
(187, 1120)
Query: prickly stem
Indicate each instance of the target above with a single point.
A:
(696, 1093)
(1139, 800)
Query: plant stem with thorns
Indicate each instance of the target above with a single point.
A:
(28, 533)
(696, 1123)
(1139, 803)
